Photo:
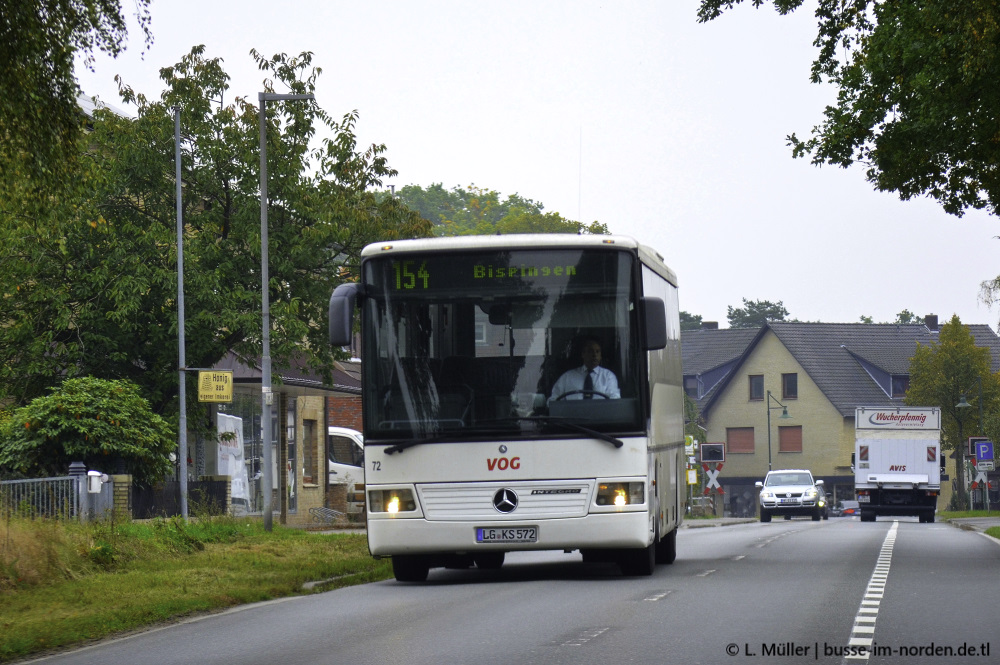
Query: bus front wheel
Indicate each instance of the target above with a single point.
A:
(636, 563)
(410, 568)
(666, 549)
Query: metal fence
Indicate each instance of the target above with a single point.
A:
(41, 497)
(64, 498)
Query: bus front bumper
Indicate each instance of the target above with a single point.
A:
(387, 537)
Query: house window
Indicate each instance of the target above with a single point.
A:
(480, 334)
(900, 384)
(790, 439)
(790, 386)
(739, 440)
(691, 386)
(756, 387)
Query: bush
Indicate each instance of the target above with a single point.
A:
(105, 424)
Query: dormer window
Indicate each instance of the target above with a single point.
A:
(900, 384)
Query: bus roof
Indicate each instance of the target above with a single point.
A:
(648, 255)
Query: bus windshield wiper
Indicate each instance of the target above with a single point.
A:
(570, 424)
(400, 447)
(403, 445)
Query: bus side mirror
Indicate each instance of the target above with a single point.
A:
(341, 313)
(656, 323)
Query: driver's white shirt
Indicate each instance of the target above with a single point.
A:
(604, 380)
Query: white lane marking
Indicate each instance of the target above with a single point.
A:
(864, 620)
(585, 637)
(705, 573)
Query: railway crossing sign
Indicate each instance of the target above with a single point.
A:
(712, 478)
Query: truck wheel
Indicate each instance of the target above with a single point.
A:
(765, 515)
(930, 517)
(867, 516)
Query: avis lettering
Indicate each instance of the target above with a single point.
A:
(898, 467)
(502, 463)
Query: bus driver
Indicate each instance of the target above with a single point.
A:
(588, 381)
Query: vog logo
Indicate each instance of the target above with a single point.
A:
(503, 463)
(898, 467)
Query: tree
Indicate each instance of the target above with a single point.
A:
(944, 372)
(105, 424)
(917, 99)
(88, 281)
(906, 316)
(39, 116)
(690, 321)
(755, 313)
(474, 210)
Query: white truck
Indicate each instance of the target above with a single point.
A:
(897, 461)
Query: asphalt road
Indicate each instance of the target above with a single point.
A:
(786, 592)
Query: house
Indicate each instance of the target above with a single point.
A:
(306, 406)
(784, 395)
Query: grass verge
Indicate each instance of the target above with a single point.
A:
(66, 584)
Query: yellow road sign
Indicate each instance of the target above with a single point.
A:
(215, 386)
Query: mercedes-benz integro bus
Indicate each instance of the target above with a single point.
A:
(468, 453)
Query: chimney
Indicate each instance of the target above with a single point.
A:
(931, 322)
(709, 325)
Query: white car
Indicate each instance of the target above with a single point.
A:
(791, 492)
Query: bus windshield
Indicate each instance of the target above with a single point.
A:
(475, 343)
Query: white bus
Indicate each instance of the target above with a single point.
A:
(468, 454)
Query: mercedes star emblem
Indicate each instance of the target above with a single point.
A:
(505, 500)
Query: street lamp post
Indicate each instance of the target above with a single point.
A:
(964, 404)
(784, 416)
(267, 399)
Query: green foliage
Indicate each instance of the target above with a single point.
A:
(98, 422)
(88, 282)
(56, 595)
(755, 313)
(40, 120)
(690, 321)
(917, 95)
(944, 372)
(904, 317)
(477, 211)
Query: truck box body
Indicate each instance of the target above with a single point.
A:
(897, 461)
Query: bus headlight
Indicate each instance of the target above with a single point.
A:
(620, 494)
(391, 501)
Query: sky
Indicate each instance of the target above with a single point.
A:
(630, 113)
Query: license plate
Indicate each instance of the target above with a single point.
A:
(789, 501)
(521, 534)
(864, 499)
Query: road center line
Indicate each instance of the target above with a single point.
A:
(864, 621)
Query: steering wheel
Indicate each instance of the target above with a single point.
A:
(577, 392)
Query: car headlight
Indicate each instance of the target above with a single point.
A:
(812, 494)
(620, 494)
(767, 495)
(391, 501)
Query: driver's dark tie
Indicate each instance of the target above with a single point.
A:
(588, 385)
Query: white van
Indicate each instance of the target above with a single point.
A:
(346, 464)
